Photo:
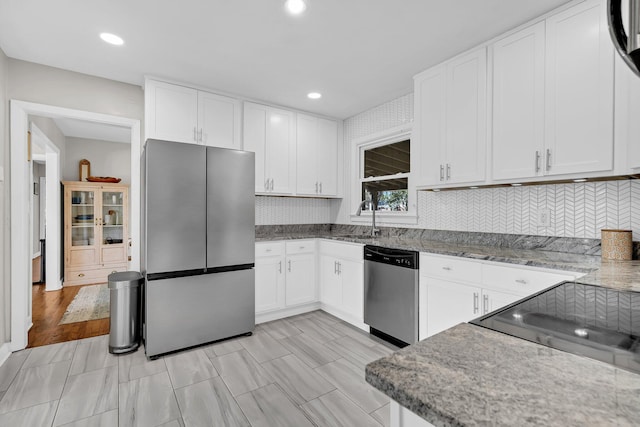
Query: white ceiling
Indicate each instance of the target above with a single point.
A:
(358, 53)
(92, 130)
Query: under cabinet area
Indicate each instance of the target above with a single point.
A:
(183, 114)
(285, 278)
(342, 280)
(96, 218)
(455, 290)
(270, 133)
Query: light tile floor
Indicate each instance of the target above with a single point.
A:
(306, 370)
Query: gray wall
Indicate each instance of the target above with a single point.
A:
(5, 289)
(37, 172)
(107, 158)
(31, 82)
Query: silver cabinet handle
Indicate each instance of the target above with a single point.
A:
(200, 135)
(448, 171)
(446, 268)
(289, 265)
(475, 303)
(537, 161)
(194, 134)
(271, 184)
(266, 184)
(521, 281)
(320, 188)
(441, 172)
(339, 267)
(485, 304)
(316, 187)
(548, 159)
(335, 267)
(280, 267)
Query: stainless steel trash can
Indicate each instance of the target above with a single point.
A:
(124, 295)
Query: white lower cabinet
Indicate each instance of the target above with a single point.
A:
(342, 280)
(454, 290)
(285, 278)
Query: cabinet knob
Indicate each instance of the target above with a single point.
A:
(447, 268)
(521, 281)
(81, 275)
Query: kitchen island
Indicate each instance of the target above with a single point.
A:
(469, 375)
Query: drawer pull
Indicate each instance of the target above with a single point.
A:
(521, 281)
(268, 250)
(81, 275)
(476, 297)
(301, 247)
(447, 268)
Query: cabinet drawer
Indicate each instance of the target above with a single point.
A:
(300, 247)
(450, 268)
(264, 249)
(86, 276)
(519, 280)
(353, 251)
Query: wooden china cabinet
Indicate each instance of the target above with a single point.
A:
(96, 231)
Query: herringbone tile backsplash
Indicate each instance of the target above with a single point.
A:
(576, 210)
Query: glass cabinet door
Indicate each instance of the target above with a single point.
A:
(83, 220)
(112, 217)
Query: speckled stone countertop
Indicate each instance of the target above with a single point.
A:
(468, 375)
(535, 258)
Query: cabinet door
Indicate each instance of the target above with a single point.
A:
(330, 283)
(307, 139)
(113, 240)
(301, 279)
(450, 303)
(82, 233)
(493, 300)
(352, 277)
(255, 134)
(427, 144)
(269, 283)
(279, 150)
(172, 112)
(579, 91)
(518, 104)
(327, 157)
(466, 110)
(218, 120)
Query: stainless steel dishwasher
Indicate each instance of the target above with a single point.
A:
(391, 294)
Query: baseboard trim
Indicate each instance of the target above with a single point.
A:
(286, 312)
(5, 352)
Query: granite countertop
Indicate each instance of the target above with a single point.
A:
(468, 375)
(535, 258)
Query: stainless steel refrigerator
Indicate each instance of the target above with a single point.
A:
(198, 245)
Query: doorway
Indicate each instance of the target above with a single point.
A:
(21, 274)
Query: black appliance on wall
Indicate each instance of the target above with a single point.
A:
(626, 41)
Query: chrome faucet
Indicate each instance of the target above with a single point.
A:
(374, 230)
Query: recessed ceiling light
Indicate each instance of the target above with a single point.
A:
(314, 95)
(112, 39)
(295, 7)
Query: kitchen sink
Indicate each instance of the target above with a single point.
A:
(588, 320)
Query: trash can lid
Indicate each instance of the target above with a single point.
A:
(124, 279)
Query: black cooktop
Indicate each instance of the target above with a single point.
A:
(588, 320)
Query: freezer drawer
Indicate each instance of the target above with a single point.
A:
(188, 311)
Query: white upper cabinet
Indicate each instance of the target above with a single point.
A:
(219, 120)
(182, 114)
(579, 91)
(171, 112)
(317, 156)
(450, 124)
(270, 133)
(627, 109)
(518, 104)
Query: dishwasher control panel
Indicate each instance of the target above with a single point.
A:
(397, 257)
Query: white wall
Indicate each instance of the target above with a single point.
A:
(5, 289)
(107, 158)
(31, 82)
(291, 210)
(577, 210)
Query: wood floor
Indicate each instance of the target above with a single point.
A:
(303, 371)
(48, 308)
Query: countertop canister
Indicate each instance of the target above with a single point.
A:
(617, 244)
